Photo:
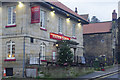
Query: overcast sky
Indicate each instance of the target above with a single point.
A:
(102, 9)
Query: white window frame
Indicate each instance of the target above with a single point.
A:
(60, 25)
(10, 43)
(54, 55)
(43, 49)
(43, 19)
(34, 60)
(73, 29)
(12, 14)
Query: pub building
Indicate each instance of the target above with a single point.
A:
(31, 29)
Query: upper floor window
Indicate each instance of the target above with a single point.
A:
(10, 50)
(42, 18)
(11, 15)
(60, 25)
(73, 30)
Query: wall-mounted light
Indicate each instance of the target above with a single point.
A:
(56, 45)
(67, 15)
(79, 20)
(52, 7)
(79, 24)
(52, 13)
(68, 19)
(20, 4)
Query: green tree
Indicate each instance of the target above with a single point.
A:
(64, 53)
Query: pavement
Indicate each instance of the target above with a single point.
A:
(100, 73)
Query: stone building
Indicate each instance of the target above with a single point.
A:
(118, 46)
(31, 29)
(100, 40)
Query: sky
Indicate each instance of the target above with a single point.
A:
(102, 9)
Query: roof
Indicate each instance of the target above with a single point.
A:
(57, 4)
(62, 6)
(101, 27)
(85, 16)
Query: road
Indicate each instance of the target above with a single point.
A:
(115, 76)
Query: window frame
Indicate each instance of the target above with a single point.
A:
(60, 25)
(43, 51)
(10, 43)
(74, 30)
(43, 25)
(11, 15)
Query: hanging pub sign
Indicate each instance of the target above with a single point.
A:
(58, 37)
(35, 14)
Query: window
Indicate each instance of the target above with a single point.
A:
(60, 25)
(42, 18)
(9, 71)
(102, 40)
(73, 30)
(31, 40)
(42, 50)
(10, 50)
(12, 15)
(54, 55)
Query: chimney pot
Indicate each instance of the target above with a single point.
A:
(114, 15)
(76, 10)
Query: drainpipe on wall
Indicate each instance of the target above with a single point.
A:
(0, 40)
(23, 56)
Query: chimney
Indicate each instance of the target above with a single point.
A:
(114, 16)
(76, 10)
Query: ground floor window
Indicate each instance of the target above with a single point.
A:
(9, 71)
(10, 50)
(54, 55)
(42, 51)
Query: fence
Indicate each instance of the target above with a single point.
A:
(90, 60)
(42, 60)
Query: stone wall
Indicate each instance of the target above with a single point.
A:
(18, 64)
(98, 44)
(24, 28)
